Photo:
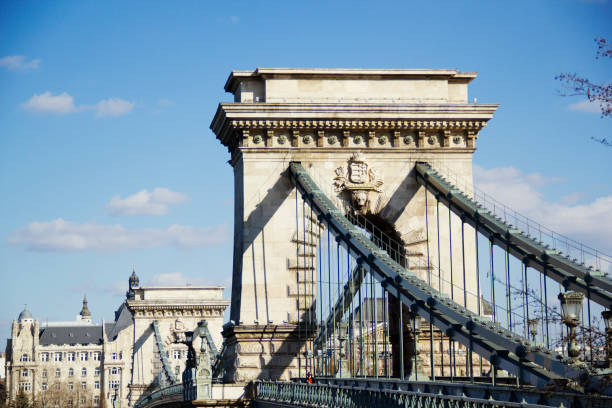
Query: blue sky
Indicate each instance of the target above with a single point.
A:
(106, 158)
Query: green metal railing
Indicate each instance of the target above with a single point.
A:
(323, 395)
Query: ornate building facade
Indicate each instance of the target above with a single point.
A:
(113, 363)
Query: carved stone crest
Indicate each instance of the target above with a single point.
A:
(360, 181)
(178, 331)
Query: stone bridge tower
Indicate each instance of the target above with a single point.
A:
(359, 133)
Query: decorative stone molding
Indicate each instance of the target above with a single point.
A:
(360, 124)
(360, 181)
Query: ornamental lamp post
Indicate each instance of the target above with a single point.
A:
(607, 318)
(533, 328)
(571, 310)
(416, 373)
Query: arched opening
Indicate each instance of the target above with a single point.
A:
(384, 235)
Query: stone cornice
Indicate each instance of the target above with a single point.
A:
(407, 126)
(212, 305)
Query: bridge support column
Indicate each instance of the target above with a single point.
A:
(359, 134)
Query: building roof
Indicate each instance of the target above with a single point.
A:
(91, 334)
(25, 314)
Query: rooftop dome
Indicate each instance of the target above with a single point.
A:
(25, 314)
(85, 310)
(134, 281)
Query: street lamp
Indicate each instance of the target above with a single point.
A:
(571, 310)
(343, 368)
(533, 328)
(416, 372)
(607, 317)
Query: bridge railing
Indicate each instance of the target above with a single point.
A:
(357, 396)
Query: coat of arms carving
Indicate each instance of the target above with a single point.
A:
(360, 181)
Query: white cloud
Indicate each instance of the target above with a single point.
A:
(175, 279)
(585, 106)
(18, 62)
(65, 236)
(589, 222)
(145, 202)
(48, 103)
(113, 107)
(572, 198)
(165, 102)
(63, 104)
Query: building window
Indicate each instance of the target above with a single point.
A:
(114, 384)
(114, 370)
(44, 356)
(96, 356)
(57, 356)
(96, 385)
(70, 356)
(177, 354)
(177, 370)
(114, 356)
(97, 372)
(83, 400)
(84, 356)
(71, 386)
(44, 374)
(96, 400)
(25, 357)
(43, 386)
(83, 372)
(58, 372)
(83, 385)
(70, 372)
(25, 386)
(24, 373)
(70, 402)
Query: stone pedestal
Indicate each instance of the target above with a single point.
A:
(265, 352)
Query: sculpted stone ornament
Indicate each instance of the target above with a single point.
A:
(178, 332)
(361, 182)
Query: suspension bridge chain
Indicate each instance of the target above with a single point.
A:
(163, 355)
(572, 275)
(505, 350)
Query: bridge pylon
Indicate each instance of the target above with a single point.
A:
(359, 134)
